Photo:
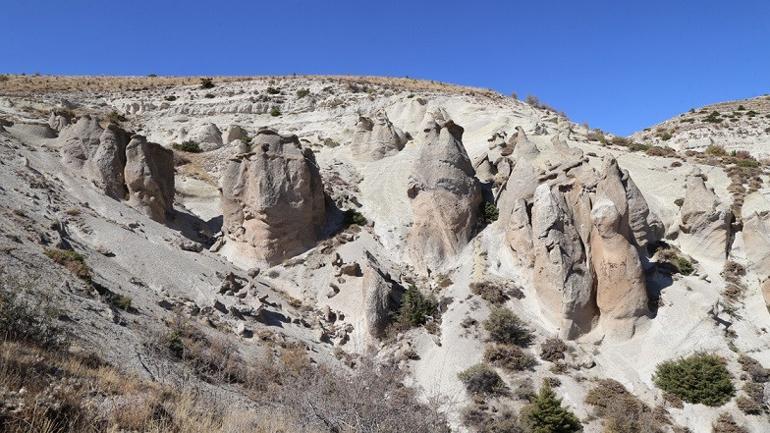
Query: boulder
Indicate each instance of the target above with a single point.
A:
(207, 135)
(273, 200)
(561, 277)
(234, 132)
(444, 194)
(79, 141)
(621, 294)
(705, 222)
(149, 175)
(380, 297)
(376, 138)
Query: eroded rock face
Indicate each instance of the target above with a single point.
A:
(58, 121)
(522, 146)
(273, 199)
(376, 138)
(137, 171)
(582, 231)
(99, 154)
(445, 196)
(149, 176)
(705, 220)
(561, 278)
(621, 293)
(756, 239)
(380, 295)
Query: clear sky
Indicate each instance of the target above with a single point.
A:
(618, 65)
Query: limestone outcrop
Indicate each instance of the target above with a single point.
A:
(444, 195)
(149, 176)
(705, 221)
(376, 138)
(273, 199)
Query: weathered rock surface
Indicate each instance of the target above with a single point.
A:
(705, 220)
(561, 277)
(376, 138)
(756, 240)
(149, 176)
(445, 196)
(232, 133)
(621, 294)
(522, 146)
(273, 200)
(379, 295)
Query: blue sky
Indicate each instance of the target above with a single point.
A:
(618, 65)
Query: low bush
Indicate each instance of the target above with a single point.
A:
(621, 411)
(273, 91)
(275, 111)
(483, 420)
(482, 379)
(748, 406)
(23, 321)
(490, 291)
(756, 371)
(545, 414)
(726, 424)
(505, 327)
(660, 151)
(188, 146)
(207, 83)
(715, 150)
(301, 93)
(511, 358)
(553, 349)
(699, 378)
(73, 261)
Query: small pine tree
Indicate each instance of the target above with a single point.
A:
(546, 415)
(415, 308)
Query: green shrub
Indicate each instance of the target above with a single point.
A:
(273, 91)
(699, 378)
(73, 261)
(715, 150)
(188, 146)
(354, 217)
(713, 117)
(207, 83)
(505, 327)
(275, 111)
(638, 147)
(488, 213)
(683, 265)
(209, 96)
(482, 379)
(508, 357)
(170, 98)
(301, 93)
(415, 308)
(546, 415)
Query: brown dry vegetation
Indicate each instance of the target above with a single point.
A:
(36, 84)
(49, 384)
